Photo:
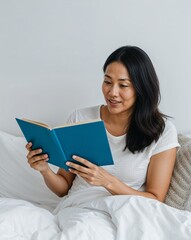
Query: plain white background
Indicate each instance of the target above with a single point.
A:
(52, 53)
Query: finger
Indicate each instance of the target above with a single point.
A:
(77, 167)
(35, 164)
(43, 157)
(29, 146)
(84, 161)
(81, 174)
(34, 152)
(89, 179)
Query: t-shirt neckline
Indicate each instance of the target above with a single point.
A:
(108, 133)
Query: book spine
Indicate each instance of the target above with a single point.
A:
(55, 139)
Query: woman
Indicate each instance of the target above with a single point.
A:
(143, 141)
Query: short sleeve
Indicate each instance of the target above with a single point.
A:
(84, 114)
(168, 139)
(72, 118)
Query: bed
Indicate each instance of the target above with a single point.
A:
(29, 210)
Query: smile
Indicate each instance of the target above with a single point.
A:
(113, 101)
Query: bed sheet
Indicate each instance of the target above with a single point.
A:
(111, 217)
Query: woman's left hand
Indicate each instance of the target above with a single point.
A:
(90, 172)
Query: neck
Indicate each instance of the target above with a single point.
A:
(120, 119)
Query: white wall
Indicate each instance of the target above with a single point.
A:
(52, 52)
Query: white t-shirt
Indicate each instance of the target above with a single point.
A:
(128, 167)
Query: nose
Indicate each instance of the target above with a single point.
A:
(114, 91)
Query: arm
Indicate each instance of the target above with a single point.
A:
(59, 182)
(157, 183)
(158, 178)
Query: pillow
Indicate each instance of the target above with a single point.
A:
(179, 194)
(17, 179)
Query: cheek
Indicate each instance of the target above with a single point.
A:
(104, 90)
(133, 99)
(130, 96)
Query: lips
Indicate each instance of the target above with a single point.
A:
(113, 101)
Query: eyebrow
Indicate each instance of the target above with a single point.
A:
(120, 79)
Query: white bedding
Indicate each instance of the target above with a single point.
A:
(110, 217)
(84, 215)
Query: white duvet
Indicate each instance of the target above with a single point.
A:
(82, 217)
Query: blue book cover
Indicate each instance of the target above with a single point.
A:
(87, 140)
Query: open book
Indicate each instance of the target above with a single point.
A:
(87, 140)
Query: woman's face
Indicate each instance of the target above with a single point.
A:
(118, 89)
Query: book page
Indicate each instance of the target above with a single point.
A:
(37, 123)
(78, 123)
(61, 126)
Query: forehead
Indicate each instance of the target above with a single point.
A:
(117, 69)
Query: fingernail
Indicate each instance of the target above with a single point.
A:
(74, 156)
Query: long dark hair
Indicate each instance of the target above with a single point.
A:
(146, 122)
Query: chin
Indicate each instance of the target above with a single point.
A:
(113, 110)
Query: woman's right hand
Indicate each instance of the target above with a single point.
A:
(37, 160)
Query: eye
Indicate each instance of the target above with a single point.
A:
(107, 82)
(123, 86)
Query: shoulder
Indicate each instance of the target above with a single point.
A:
(84, 114)
(168, 139)
(169, 128)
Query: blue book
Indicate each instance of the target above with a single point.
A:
(87, 140)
